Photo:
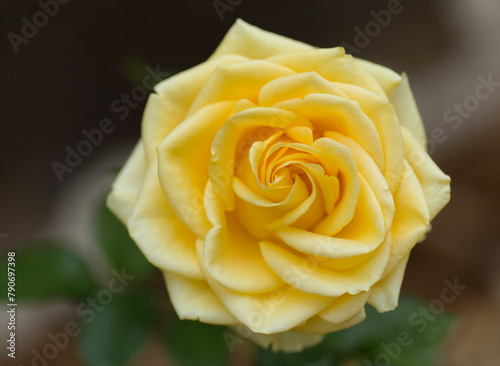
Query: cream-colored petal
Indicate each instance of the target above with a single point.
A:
(162, 237)
(435, 184)
(188, 145)
(242, 80)
(233, 259)
(296, 86)
(410, 218)
(345, 307)
(319, 325)
(125, 188)
(332, 64)
(307, 274)
(271, 312)
(253, 42)
(385, 294)
(384, 117)
(289, 341)
(174, 97)
(195, 300)
(397, 88)
(367, 168)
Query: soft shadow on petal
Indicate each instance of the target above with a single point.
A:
(367, 168)
(231, 255)
(230, 137)
(332, 113)
(174, 96)
(381, 112)
(345, 307)
(319, 325)
(435, 184)
(242, 80)
(195, 300)
(162, 237)
(271, 312)
(188, 145)
(332, 64)
(296, 86)
(410, 218)
(397, 88)
(385, 294)
(307, 274)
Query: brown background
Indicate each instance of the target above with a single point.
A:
(66, 77)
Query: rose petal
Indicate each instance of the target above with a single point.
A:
(367, 168)
(385, 294)
(242, 80)
(410, 218)
(332, 64)
(125, 188)
(296, 86)
(397, 89)
(384, 117)
(169, 106)
(162, 237)
(187, 294)
(271, 312)
(318, 325)
(307, 274)
(435, 184)
(331, 113)
(345, 307)
(225, 144)
(188, 145)
(253, 42)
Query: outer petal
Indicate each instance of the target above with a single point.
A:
(125, 188)
(332, 64)
(318, 325)
(162, 237)
(242, 80)
(385, 294)
(250, 41)
(271, 312)
(188, 145)
(400, 95)
(435, 184)
(308, 275)
(195, 300)
(410, 219)
(169, 106)
(384, 117)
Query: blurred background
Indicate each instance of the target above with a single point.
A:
(64, 73)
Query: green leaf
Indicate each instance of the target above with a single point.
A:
(314, 356)
(116, 332)
(195, 343)
(401, 337)
(48, 270)
(118, 246)
(396, 336)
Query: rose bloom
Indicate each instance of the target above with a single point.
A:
(280, 188)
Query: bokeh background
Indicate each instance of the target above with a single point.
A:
(66, 77)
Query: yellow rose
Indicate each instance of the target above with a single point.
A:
(280, 187)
